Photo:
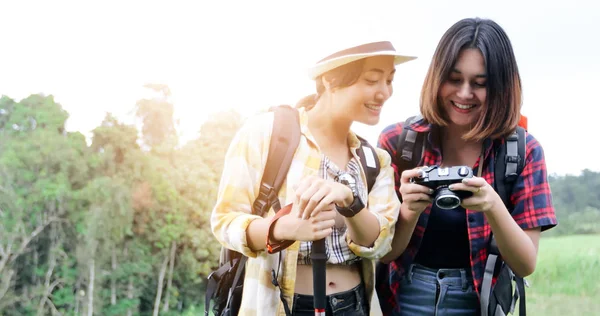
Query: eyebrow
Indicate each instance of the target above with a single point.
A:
(381, 70)
(476, 76)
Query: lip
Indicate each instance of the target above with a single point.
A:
(378, 105)
(463, 111)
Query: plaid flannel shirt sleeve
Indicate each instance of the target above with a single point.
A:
(532, 198)
(384, 204)
(242, 172)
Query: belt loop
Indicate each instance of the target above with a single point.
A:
(358, 298)
(409, 273)
(463, 280)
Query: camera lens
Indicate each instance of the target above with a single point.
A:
(446, 199)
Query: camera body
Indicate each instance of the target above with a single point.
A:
(438, 179)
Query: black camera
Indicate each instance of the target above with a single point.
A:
(438, 179)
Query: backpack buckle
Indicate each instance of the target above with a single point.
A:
(262, 202)
(511, 159)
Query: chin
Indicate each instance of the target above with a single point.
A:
(371, 121)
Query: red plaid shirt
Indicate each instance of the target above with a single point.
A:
(531, 198)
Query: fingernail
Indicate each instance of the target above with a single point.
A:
(451, 187)
(431, 191)
(465, 180)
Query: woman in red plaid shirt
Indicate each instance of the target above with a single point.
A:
(470, 102)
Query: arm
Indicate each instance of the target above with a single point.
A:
(408, 215)
(518, 247)
(407, 221)
(518, 235)
(370, 232)
(363, 228)
(232, 221)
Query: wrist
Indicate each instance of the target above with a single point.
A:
(280, 229)
(349, 197)
(407, 214)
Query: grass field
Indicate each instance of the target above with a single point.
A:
(566, 281)
(567, 278)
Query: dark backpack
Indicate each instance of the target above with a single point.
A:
(225, 284)
(510, 160)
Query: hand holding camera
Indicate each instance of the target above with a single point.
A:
(438, 179)
(447, 187)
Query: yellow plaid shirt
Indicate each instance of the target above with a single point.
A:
(243, 169)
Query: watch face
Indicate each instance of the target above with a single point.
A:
(347, 179)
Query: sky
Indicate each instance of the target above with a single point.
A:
(95, 56)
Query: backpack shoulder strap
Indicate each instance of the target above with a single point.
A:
(509, 164)
(369, 161)
(510, 161)
(284, 141)
(410, 146)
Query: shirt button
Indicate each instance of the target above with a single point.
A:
(471, 219)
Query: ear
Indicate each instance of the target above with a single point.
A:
(326, 83)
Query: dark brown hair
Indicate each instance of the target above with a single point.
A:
(340, 77)
(503, 102)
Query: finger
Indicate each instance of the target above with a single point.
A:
(417, 197)
(464, 187)
(326, 203)
(323, 233)
(304, 186)
(327, 214)
(410, 188)
(304, 197)
(322, 225)
(314, 201)
(412, 173)
(474, 181)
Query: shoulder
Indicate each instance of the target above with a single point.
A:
(389, 136)
(384, 157)
(258, 124)
(391, 131)
(534, 152)
(253, 135)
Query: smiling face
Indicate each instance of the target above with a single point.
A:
(363, 100)
(463, 94)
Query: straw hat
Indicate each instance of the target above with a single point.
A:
(349, 54)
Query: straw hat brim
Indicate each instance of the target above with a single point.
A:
(327, 65)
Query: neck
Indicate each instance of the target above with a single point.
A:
(455, 148)
(327, 126)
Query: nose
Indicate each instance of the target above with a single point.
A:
(465, 92)
(384, 93)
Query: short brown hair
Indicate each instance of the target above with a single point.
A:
(340, 77)
(503, 102)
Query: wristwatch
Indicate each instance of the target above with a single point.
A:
(357, 205)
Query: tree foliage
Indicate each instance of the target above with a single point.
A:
(119, 226)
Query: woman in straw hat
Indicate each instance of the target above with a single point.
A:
(470, 104)
(326, 184)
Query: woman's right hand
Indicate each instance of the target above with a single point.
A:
(415, 197)
(319, 226)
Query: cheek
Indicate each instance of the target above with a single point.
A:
(481, 95)
(445, 91)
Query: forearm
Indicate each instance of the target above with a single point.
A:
(405, 226)
(517, 248)
(363, 228)
(256, 234)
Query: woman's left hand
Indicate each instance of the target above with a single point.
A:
(484, 196)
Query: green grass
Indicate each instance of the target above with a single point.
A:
(567, 278)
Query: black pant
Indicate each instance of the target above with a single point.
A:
(348, 303)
